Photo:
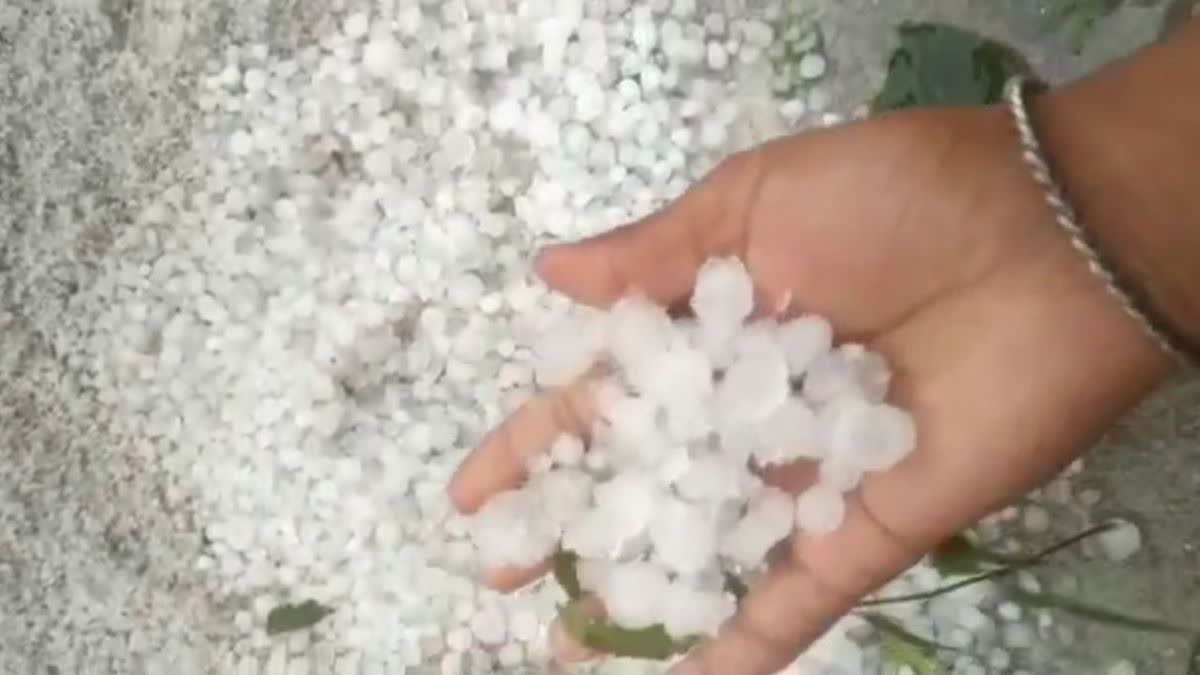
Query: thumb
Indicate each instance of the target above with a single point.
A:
(815, 581)
(660, 254)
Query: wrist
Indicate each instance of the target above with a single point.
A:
(1125, 146)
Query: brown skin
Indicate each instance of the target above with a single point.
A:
(1127, 141)
(923, 234)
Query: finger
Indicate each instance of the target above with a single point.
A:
(499, 463)
(818, 580)
(659, 255)
(509, 579)
(793, 478)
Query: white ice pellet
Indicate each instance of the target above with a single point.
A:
(567, 450)
(873, 374)
(1121, 542)
(684, 537)
(709, 477)
(804, 340)
(631, 497)
(739, 442)
(565, 351)
(793, 109)
(632, 594)
(511, 655)
(1009, 611)
(489, 627)
(595, 534)
(820, 510)
(458, 148)
(1018, 635)
(753, 387)
(504, 115)
(719, 343)
(589, 104)
(451, 664)
(788, 434)
(715, 23)
(277, 661)
(356, 25)
(818, 99)
(850, 370)
(770, 517)
(564, 494)
(870, 437)
(675, 463)
(460, 639)
(512, 529)
(812, 66)
(713, 134)
(840, 473)
(538, 464)
(254, 80)
(716, 56)
(524, 625)
(1123, 667)
(638, 332)
(381, 56)
(689, 612)
(634, 430)
(724, 293)
(1036, 519)
(898, 437)
(959, 639)
(241, 143)
(553, 34)
(680, 377)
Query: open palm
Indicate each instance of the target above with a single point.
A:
(920, 234)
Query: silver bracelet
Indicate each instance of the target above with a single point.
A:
(1131, 301)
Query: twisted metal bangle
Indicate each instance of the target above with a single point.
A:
(1127, 297)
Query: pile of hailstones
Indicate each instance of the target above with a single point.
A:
(667, 499)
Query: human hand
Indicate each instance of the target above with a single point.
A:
(922, 235)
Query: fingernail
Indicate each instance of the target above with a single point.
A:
(687, 667)
(539, 259)
(565, 648)
(549, 249)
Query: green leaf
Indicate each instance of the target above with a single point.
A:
(887, 625)
(940, 65)
(566, 572)
(288, 618)
(575, 621)
(959, 556)
(1076, 19)
(651, 643)
(607, 638)
(902, 648)
(646, 643)
(1074, 607)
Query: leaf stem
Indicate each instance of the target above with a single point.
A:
(1013, 567)
(1099, 614)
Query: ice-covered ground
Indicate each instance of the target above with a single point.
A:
(103, 505)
